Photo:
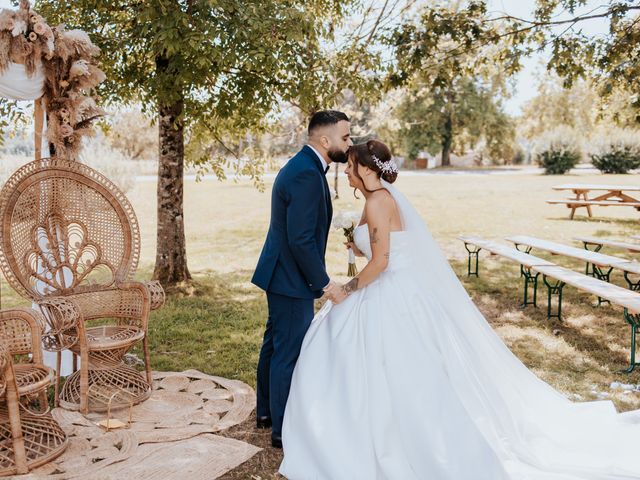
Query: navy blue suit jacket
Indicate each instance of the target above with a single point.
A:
(292, 259)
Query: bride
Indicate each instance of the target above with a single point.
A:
(403, 378)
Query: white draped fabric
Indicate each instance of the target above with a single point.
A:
(16, 85)
(406, 380)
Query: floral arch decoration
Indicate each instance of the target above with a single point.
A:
(55, 67)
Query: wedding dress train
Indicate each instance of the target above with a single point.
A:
(406, 380)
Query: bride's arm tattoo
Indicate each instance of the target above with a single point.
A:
(373, 238)
(350, 287)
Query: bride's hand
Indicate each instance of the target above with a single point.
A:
(352, 246)
(338, 294)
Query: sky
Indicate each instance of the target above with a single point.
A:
(525, 81)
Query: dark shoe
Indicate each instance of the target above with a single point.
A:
(276, 441)
(263, 422)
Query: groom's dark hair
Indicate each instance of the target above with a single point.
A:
(326, 117)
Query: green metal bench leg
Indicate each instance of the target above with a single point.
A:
(554, 289)
(604, 276)
(473, 253)
(529, 279)
(634, 321)
(635, 286)
(526, 250)
(588, 270)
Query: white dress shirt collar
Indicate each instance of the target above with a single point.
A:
(322, 160)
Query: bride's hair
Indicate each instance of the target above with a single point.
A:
(375, 155)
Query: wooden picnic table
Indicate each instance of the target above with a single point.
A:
(614, 196)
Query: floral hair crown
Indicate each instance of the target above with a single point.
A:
(385, 167)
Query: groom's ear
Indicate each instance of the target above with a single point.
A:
(325, 142)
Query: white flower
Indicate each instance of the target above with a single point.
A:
(346, 220)
(78, 68)
(20, 26)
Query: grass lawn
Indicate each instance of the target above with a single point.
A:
(218, 328)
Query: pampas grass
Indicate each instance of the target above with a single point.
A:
(70, 68)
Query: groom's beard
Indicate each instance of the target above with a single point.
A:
(338, 156)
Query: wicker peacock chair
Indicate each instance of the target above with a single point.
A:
(71, 243)
(28, 438)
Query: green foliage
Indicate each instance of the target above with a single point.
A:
(454, 100)
(232, 62)
(12, 117)
(477, 120)
(453, 34)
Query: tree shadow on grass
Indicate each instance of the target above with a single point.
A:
(215, 327)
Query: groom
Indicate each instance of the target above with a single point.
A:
(291, 268)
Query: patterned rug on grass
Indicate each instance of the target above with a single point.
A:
(172, 434)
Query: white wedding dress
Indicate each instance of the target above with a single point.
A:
(406, 380)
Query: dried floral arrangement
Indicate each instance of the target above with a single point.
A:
(68, 59)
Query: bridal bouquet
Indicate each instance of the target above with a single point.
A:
(347, 221)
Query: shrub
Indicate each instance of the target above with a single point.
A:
(557, 161)
(558, 151)
(618, 152)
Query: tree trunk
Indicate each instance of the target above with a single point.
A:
(171, 255)
(447, 140)
(335, 181)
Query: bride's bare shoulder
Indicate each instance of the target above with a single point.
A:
(379, 202)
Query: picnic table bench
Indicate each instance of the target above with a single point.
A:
(598, 243)
(614, 196)
(474, 244)
(555, 278)
(597, 264)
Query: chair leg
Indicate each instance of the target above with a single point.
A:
(84, 388)
(147, 360)
(56, 386)
(19, 452)
(44, 401)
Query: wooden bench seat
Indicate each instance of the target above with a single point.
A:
(597, 264)
(603, 242)
(615, 294)
(495, 248)
(555, 248)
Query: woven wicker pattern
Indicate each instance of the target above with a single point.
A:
(157, 294)
(73, 220)
(71, 242)
(27, 439)
(60, 323)
(115, 379)
(43, 440)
